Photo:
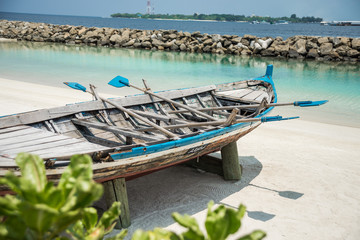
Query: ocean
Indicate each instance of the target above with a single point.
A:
(52, 64)
(232, 28)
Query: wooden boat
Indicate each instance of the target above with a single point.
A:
(136, 134)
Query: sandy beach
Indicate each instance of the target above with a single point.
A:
(301, 179)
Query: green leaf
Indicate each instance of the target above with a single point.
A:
(32, 170)
(190, 223)
(255, 235)
(38, 217)
(223, 221)
(9, 206)
(108, 217)
(90, 218)
(12, 228)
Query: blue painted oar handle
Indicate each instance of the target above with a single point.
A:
(276, 118)
(309, 103)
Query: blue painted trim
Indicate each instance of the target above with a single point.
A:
(201, 137)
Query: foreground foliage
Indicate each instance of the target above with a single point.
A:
(41, 210)
(219, 224)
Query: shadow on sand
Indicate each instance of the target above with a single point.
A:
(182, 189)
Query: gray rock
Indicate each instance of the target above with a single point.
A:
(269, 52)
(325, 48)
(182, 47)
(281, 49)
(323, 40)
(249, 37)
(196, 34)
(207, 49)
(172, 36)
(246, 52)
(216, 37)
(311, 45)
(208, 42)
(129, 43)
(353, 53)
(342, 50)
(146, 44)
(174, 47)
(300, 46)
(336, 41)
(116, 38)
(157, 42)
(219, 45)
(355, 43)
(187, 34)
(313, 53)
(240, 45)
(293, 53)
(236, 40)
(227, 43)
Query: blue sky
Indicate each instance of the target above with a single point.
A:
(327, 9)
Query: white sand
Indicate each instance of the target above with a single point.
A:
(301, 179)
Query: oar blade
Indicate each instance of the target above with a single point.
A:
(276, 118)
(76, 86)
(119, 82)
(310, 103)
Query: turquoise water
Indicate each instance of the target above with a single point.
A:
(52, 64)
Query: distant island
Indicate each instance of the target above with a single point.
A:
(220, 17)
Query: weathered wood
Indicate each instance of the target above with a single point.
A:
(127, 133)
(231, 118)
(115, 191)
(102, 141)
(169, 100)
(12, 129)
(47, 145)
(23, 132)
(230, 159)
(138, 117)
(51, 113)
(154, 116)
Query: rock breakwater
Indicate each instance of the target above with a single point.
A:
(298, 47)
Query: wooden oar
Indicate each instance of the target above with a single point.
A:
(222, 122)
(297, 103)
(78, 86)
(122, 82)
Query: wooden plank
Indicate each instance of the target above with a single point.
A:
(25, 138)
(154, 116)
(230, 160)
(102, 141)
(32, 142)
(235, 93)
(22, 132)
(47, 146)
(114, 129)
(69, 150)
(115, 191)
(11, 164)
(11, 129)
(253, 95)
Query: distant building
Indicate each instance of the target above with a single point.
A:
(149, 8)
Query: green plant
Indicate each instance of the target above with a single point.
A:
(41, 210)
(219, 224)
